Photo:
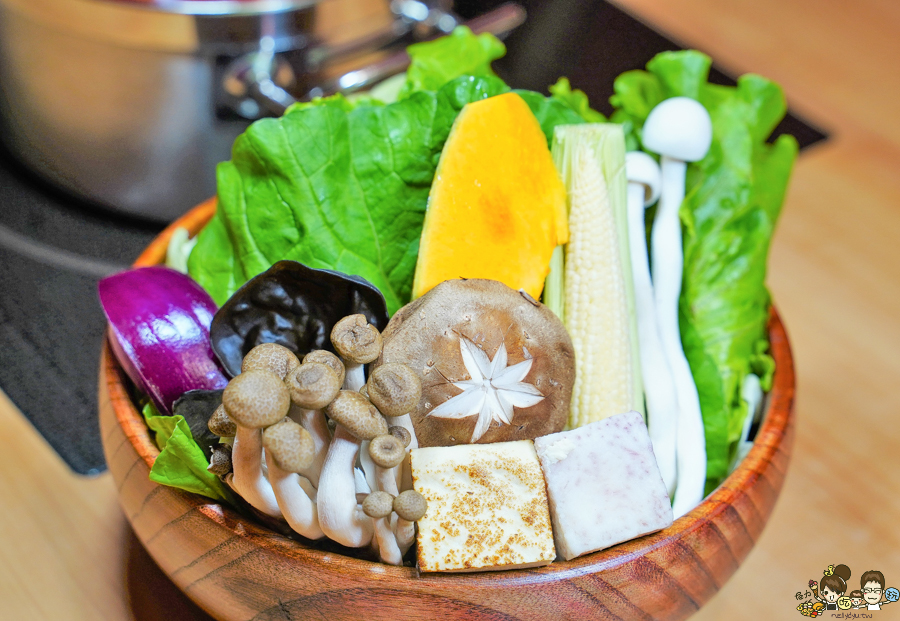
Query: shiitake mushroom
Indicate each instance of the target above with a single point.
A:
(426, 335)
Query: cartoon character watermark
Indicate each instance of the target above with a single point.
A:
(830, 594)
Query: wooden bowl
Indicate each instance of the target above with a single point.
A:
(236, 569)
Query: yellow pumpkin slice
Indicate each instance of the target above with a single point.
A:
(497, 207)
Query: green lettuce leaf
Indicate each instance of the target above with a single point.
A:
(434, 63)
(339, 186)
(733, 199)
(576, 100)
(181, 463)
(332, 186)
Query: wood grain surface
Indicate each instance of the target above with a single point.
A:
(65, 548)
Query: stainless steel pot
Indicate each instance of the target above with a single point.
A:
(132, 104)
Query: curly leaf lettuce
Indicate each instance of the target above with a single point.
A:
(733, 199)
(437, 62)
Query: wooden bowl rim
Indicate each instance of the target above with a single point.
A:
(768, 439)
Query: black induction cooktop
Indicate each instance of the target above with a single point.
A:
(54, 247)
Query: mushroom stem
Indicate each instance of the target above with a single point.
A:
(368, 466)
(314, 422)
(403, 472)
(355, 377)
(668, 261)
(389, 550)
(659, 386)
(340, 517)
(298, 508)
(405, 534)
(248, 480)
(386, 479)
(409, 506)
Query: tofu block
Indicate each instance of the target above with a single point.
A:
(487, 507)
(603, 483)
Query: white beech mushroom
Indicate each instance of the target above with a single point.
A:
(659, 386)
(289, 451)
(254, 400)
(313, 385)
(272, 357)
(340, 517)
(680, 130)
(379, 506)
(409, 506)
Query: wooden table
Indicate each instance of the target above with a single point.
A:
(66, 551)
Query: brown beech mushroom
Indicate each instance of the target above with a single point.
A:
(290, 450)
(272, 357)
(358, 342)
(495, 365)
(313, 385)
(409, 506)
(379, 506)
(254, 400)
(395, 389)
(402, 434)
(387, 452)
(327, 358)
(220, 460)
(220, 424)
(340, 517)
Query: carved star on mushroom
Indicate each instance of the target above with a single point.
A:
(492, 390)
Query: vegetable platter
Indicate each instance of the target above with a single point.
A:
(430, 365)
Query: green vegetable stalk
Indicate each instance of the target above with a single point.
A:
(733, 199)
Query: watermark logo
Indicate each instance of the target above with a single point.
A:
(831, 594)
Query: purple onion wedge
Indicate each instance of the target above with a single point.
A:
(159, 327)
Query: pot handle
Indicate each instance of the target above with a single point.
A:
(275, 100)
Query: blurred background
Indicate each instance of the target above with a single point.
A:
(114, 114)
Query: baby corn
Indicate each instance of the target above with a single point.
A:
(598, 291)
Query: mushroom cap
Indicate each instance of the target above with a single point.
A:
(410, 505)
(394, 389)
(642, 168)
(290, 445)
(378, 505)
(220, 424)
(313, 385)
(356, 340)
(220, 460)
(679, 128)
(257, 398)
(357, 415)
(401, 433)
(272, 357)
(426, 335)
(387, 451)
(326, 357)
